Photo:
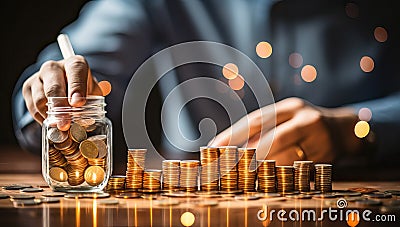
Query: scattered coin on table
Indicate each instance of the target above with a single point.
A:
(129, 195)
(50, 200)
(21, 196)
(166, 202)
(4, 196)
(16, 187)
(32, 190)
(109, 202)
(54, 194)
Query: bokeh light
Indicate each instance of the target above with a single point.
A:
(367, 64)
(105, 87)
(230, 71)
(361, 129)
(308, 73)
(237, 83)
(187, 218)
(380, 34)
(295, 60)
(264, 49)
(351, 10)
(365, 114)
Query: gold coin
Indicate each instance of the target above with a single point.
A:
(85, 122)
(101, 147)
(94, 175)
(77, 133)
(64, 145)
(58, 174)
(89, 149)
(57, 136)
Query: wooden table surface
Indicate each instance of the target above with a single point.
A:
(145, 212)
(20, 167)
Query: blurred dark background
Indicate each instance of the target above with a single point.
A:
(27, 27)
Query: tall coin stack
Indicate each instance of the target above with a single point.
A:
(209, 169)
(170, 175)
(135, 167)
(266, 176)
(247, 169)
(228, 168)
(189, 174)
(285, 178)
(152, 180)
(302, 173)
(323, 177)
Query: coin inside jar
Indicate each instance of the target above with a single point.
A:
(94, 175)
(77, 132)
(58, 174)
(89, 149)
(101, 147)
(57, 136)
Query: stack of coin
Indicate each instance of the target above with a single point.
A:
(323, 177)
(75, 175)
(209, 169)
(228, 168)
(170, 173)
(189, 174)
(56, 158)
(152, 180)
(247, 169)
(97, 162)
(266, 176)
(285, 178)
(302, 173)
(116, 182)
(135, 167)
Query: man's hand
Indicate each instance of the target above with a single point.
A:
(303, 131)
(58, 79)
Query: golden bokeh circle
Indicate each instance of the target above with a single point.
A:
(361, 129)
(237, 83)
(230, 71)
(308, 73)
(367, 64)
(264, 49)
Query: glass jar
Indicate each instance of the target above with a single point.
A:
(76, 145)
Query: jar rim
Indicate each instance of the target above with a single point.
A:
(89, 97)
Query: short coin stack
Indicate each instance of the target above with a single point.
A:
(323, 177)
(228, 168)
(285, 178)
(266, 176)
(209, 169)
(170, 175)
(116, 182)
(71, 154)
(302, 173)
(135, 167)
(189, 174)
(152, 180)
(247, 169)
